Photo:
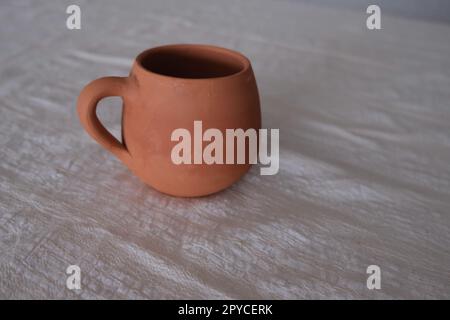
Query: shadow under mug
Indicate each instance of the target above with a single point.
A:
(170, 87)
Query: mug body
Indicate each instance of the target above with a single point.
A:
(170, 88)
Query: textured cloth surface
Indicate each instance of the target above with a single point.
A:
(364, 178)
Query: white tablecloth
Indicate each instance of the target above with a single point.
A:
(364, 119)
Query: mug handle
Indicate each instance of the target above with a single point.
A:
(87, 105)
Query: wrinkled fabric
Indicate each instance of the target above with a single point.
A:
(364, 173)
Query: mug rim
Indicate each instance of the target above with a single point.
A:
(236, 55)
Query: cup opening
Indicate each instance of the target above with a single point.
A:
(192, 61)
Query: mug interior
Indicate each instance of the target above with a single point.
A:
(192, 61)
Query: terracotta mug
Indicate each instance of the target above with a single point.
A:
(170, 87)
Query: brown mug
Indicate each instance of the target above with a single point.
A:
(170, 87)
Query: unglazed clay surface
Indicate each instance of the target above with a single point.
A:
(170, 87)
(364, 158)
